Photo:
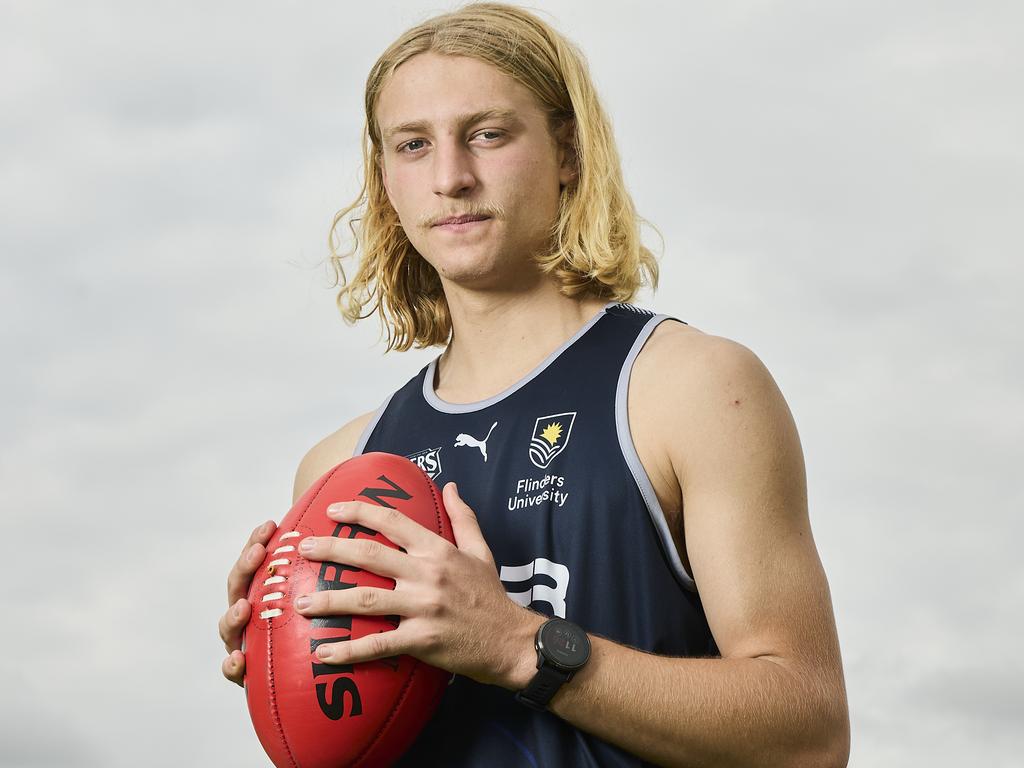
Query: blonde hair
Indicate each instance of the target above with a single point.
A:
(595, 242)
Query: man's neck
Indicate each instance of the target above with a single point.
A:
(498, 340)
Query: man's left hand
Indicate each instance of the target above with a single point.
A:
(455, 612)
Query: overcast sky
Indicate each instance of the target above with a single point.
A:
(836, 183)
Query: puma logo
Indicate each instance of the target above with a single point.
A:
(464, 439)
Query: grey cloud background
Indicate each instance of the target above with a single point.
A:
(835, 183)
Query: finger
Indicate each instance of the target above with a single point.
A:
(379, 645)
(404, 531)
(241, 574)
(232, 623)
(468, 536)
(233, 667)
(369, 554)
(260, 534)
(359, 600)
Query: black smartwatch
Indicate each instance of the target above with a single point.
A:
(562, 650)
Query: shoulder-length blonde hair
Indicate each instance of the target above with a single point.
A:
(595, 241)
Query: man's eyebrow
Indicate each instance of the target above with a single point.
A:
(414, 126)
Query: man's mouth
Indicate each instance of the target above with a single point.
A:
(457, 220)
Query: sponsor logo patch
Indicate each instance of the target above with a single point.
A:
(428, 460)
(550, 436)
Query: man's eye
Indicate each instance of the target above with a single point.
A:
(409, 149)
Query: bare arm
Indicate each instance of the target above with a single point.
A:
(777, 696)
(330, 451)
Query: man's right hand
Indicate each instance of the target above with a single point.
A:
(237, 615)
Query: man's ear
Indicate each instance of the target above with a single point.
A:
(568, 160)
(384, 178)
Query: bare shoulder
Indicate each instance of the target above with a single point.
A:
(329, 452)
(694, 390)
(681, 354)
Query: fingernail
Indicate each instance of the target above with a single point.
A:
(265, 529)
(252, 552)
(237, 611)
(307, 544)
(323, 651)
(338, 508)
(303, 602)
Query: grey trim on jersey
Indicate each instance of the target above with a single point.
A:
(365, 437)
(632, 458)
(445, 407)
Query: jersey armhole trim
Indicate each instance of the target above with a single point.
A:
(632, 458)
(368, 431)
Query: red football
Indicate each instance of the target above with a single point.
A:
(308, 714)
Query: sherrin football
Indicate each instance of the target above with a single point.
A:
(308, 714)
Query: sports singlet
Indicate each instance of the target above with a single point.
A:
(572, 520)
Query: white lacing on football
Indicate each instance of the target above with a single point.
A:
(277, 579)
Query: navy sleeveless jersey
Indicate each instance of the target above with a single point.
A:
(570, 515)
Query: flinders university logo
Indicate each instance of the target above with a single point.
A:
(550, 436)
(429, 461)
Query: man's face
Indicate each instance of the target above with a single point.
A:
(507, 167)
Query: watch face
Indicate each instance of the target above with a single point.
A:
(565, 644)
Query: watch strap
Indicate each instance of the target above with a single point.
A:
(542, 687)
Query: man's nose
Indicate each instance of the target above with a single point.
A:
(454, 172)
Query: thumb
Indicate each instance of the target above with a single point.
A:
(468, 536)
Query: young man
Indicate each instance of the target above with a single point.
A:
(626, 481)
